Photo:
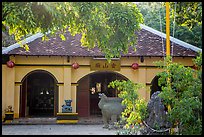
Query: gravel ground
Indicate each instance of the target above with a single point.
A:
(56, 130)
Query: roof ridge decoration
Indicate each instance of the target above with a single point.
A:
(175, 40)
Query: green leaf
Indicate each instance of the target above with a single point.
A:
(62, 37)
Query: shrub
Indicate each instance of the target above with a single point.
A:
(136, 109)
(182, 91)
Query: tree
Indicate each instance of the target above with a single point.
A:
(188, 13)
(109, 25)
(6, 39)
(188, 19)
(188, 22)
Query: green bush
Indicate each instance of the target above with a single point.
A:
(182, 91)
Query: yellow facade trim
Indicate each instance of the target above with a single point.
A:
(67, 113)
(46, 65)
(18, 83)
(66, 121)
(92, 66)
(8, 121)
(9, 113)
(60, 84)
(74, 84)
(16, 115)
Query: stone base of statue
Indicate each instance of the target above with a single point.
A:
(8, 117)
(63, 118)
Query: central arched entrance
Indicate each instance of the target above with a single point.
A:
(39, 95)
(88, 89)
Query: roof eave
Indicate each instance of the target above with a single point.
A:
(172, 39)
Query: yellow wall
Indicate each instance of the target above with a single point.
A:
(8, 86)
(67, 77)
(4, 81)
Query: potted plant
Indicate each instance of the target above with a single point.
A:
(9, 113)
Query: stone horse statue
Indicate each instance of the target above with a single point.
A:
(111, 109)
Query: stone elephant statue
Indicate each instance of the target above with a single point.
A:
(111, 109)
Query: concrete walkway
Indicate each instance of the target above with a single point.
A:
(48, 126)
(93, 120)
(74, 129)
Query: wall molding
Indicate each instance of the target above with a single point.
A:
(18, 83)
(70, 65)
(60, 84)
(74, 84)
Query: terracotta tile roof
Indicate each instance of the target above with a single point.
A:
(149, 44)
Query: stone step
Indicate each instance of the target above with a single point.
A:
(53, 120)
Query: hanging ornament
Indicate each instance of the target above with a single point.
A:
(135, 66)
(75, 65)
(10, 64)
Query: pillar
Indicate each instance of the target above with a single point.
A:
(60, 97)
(17, 100)
(142, 79)
(74, 97)
(67, 83)
(10, 85)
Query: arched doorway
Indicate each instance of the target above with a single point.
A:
(39, 95)
(89, 87)
(154, 85)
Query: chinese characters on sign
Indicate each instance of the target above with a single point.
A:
(102, 64)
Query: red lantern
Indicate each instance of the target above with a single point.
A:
(10, 64)
(75, 65)
(135, 66)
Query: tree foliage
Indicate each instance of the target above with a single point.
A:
(188, 13)
(184, 95)
(188, 19)
(109, 25)
(7, 39)
(135, 111)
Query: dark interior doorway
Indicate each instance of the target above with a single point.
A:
(39, 95)
(90, 86)
(154, 85)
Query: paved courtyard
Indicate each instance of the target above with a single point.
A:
(56, 130)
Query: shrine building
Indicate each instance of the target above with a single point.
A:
(36, 82)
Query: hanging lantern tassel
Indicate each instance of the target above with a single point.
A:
(75, 65)
(10, 64)
(135, 66)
